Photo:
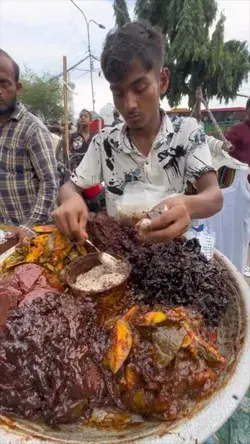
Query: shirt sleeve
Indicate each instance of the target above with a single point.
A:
(42, 156)
(89, 171)
(198, 157)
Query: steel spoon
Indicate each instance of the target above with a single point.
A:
(105, 258)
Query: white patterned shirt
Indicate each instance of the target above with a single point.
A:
(179, 154)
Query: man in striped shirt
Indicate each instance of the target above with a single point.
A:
(28, 173)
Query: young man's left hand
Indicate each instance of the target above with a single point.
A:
(170, 225)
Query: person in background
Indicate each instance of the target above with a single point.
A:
(28, 174)
(239, 136)
(72, 128)
(117, 119)
(79, 143)
(56, 132)
(148, 148)
(80, 140)
(62, 158)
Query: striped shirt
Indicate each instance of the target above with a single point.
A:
(28, 173)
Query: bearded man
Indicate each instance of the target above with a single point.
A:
(28, 173)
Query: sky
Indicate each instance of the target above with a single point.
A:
(38, 33)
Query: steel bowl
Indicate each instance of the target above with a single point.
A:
(82, 265)
(196, 429)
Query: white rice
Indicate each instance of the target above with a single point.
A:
(99, 278)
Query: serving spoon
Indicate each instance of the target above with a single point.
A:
(105, 258)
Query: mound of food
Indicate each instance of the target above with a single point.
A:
(155, 354)
(176, 273)
(27, 282)
(49, 248)
(169, 365)
(57, 362)
(50, 352)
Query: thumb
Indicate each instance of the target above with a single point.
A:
(158, 209)
(172, 201)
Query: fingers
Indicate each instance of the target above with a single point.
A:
(174, 231)
(165, 219)
(82, 224)
(61, 222)
(71, 223)
(148, 228)
(159, 222)
(75, 229)
(168, 226)
(157, 210)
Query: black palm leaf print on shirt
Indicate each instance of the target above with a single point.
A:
(197, 139)
(108, 151)
(175, 154)
(130, 176)
(177, 124)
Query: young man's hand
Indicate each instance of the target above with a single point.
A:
(71, 217)
(171, 224)
(181, 209)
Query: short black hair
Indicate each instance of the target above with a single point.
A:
(248, 104)
(16, 68)
(137, 40)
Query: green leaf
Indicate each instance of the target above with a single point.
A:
(167, 342)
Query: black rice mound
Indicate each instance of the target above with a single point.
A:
(175, 274)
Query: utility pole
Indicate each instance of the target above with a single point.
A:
(91, 67)
(65, 101)
(91, 63)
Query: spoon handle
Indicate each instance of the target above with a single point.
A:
(92, 245)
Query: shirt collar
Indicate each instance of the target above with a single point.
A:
(127, 146)
(16, 115)
(18, 112)
(165, 130)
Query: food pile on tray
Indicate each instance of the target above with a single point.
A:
(155, 354)
(49, 248)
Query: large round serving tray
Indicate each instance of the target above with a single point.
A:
(211, 415)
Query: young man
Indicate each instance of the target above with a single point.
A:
(28, 175)
(148, 147)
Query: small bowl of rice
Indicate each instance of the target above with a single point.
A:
(88, 277)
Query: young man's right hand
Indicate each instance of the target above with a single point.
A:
(71, 217)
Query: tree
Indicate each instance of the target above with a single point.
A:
(121, 13)
(195, 55)
(42, 95)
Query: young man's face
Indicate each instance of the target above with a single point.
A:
(137, 97)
